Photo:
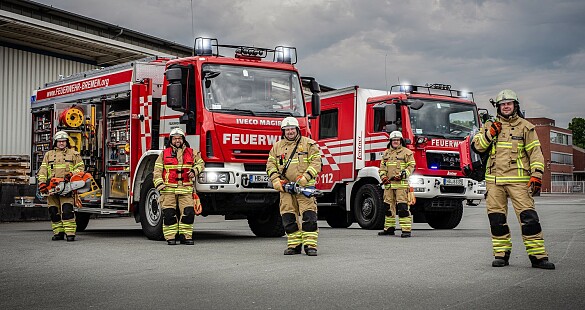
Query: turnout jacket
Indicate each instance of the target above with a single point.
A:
(393, 162)
(305, 162)
(57, 163)
(172, 169)
(515, 155)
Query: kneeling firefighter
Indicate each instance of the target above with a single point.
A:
(295, 158)
(173, 175)
(60, 162)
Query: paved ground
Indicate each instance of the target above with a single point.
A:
(113, 266)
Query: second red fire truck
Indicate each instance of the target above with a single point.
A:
(353, 130)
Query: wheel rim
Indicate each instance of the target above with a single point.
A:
(152, 208)
(368, 208)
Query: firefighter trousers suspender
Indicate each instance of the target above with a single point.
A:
(283, 173)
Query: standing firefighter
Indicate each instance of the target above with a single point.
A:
(60, 162)
(514, 169)
(296, 159)
(396, 166)
(173, 175)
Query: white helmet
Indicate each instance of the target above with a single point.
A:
(177, 132)
(289, 122)
(61, 135)
(395, 135)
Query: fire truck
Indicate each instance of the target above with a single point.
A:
(353, 132)
(119, 119)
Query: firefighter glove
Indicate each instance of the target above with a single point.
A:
(302, 181)
(278, 184)
(396, 178)
(385, 180)
(495, 129)
(67, 177)
(44, 187)
(403, 174)
(534, 184)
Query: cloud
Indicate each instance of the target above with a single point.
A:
(533, 47)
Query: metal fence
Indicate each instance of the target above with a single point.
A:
(567, 187)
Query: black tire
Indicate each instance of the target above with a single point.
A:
(338, 218)
(150, 212)
(445, 219)
(82, 220)
(267, 224)
(368, 207)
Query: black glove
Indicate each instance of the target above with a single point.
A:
(67, 177)
(403, 174)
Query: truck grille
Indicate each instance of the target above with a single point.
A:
(443, 161)
(251, 154)
(255, 167)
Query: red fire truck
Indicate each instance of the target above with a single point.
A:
(353, 131)
(120, 117)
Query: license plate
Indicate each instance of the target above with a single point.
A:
(458, 182)
(255, 178)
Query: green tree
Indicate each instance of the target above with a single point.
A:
(577, 125)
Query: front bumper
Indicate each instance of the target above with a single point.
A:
(433, 187)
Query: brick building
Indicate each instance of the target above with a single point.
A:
(578, 164)
(557, 148)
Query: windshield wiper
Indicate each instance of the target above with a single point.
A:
(236, 111)
(281, 112)
(432, 135)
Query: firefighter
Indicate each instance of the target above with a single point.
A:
(173, 175)
(396, 166)
(514, 169)
(60, 162)
(296, 159)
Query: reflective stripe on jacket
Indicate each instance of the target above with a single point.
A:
(57, 163)
(393, 162)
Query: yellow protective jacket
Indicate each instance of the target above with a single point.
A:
(305, 162)
(57, 163)
(515, 155)
(393, 162)
(159, 178)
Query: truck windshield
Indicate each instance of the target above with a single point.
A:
(448, 120)
(250, 90)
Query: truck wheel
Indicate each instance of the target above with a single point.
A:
(266, 224)
(445, 219)
(338, 218)
(369, 207)
(150, 213)
(82, 219)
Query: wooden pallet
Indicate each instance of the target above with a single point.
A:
(14, 172)
(14, 158)
(23, 179)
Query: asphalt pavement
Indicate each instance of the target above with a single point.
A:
(113, 266)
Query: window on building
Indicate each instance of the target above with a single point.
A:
(561, 158)
(561, 177)
(328, 124)
(561, 138)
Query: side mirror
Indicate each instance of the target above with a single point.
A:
(315, 105)
(416, 104)
(175, 99)
(314, 86)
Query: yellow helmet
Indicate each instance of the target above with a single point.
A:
(395, 135)
(61, 135)
(506, 94)
(289, 122)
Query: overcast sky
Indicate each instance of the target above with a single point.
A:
(534, 47)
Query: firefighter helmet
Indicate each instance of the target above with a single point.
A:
(61, 135)
(289, 122)
(395, 135)
(506, 94)
(177, 132)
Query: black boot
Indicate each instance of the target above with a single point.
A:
(387, 232)
(542, 263)
(501, 261)
(310, 251)
(405, 234)
(188, 242)
(71, 238)
(293, 251)
(172, 242)
(59, 236)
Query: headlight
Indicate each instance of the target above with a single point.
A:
(416, 181)
(481, 184)
(214, 177)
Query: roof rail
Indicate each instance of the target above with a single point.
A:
(433, 89)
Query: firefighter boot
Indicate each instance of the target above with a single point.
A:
(542, 263)
(172, 242)
(59, 236)
(188, 242)
(310, 251)
(405, 234)
(293, 251)
(501, 261)
(387, 232)
(71, 238)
